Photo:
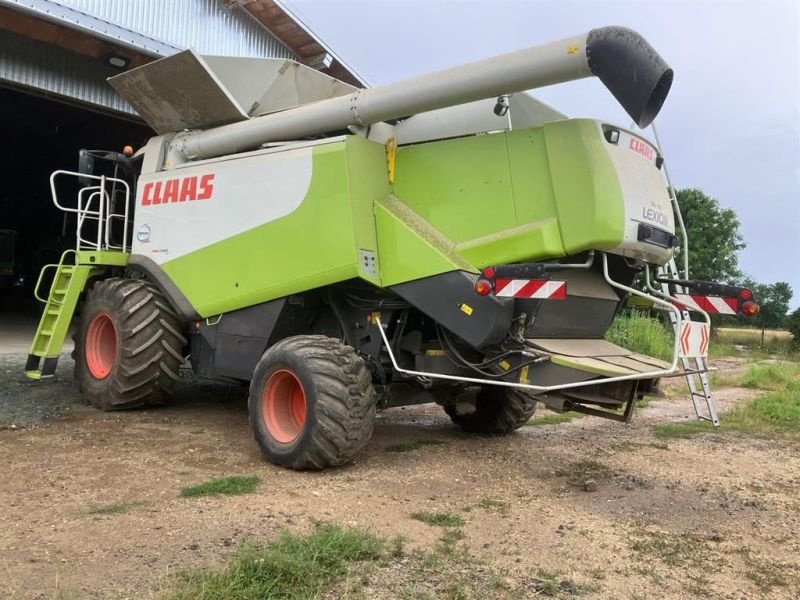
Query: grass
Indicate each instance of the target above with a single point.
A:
(415, 445)
(291, 568)
(112, 509)
(555, 418)
(438, 519)
(775, 413)
(640, 333)
(674, 550)
(771, 376)
(494, 505)
(578, 473)
(227, 485)
(776, 341)
(766, 574)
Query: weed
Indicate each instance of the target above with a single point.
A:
(776, 413)
(771, 376)
(438, 519)
(638, 332)
(766, 573)
(675, 550)
(197, 431)
(578, 473)
(227, 485)
(291, 568)
(493, 505)
(682, 430)
(415, 445)
(112, 509)
(555, 418)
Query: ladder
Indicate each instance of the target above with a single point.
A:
(695, 368)
(69, 279)
(95, 250)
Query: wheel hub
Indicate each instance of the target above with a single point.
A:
(100, 345)
(283, 406)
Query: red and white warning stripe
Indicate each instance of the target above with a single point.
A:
(715, 305)
(530, 288)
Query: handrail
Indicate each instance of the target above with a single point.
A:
(51, 266)
(103, 214)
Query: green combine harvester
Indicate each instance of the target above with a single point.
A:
(444, 239)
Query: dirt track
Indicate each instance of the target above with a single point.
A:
(715, 516)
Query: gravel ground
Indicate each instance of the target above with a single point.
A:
(43, 400)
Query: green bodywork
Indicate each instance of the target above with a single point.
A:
(455, 204)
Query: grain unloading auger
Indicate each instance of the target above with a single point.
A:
(443, 239)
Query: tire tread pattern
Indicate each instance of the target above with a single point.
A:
(345, 401)
(149, 340)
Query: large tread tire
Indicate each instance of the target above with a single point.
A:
(338, 406)
(498, 411)
(149, 345)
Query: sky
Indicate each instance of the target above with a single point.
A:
(730, 126)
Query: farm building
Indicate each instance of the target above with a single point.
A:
(55, 57)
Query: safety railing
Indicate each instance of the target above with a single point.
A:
(97, 204)
(672, 369)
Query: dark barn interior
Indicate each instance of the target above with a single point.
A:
(40, 136)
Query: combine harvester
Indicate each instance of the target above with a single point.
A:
(443, 239)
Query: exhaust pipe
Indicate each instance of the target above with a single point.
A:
(622, 59)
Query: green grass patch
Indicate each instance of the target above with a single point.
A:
(775, 413)
(112, 509)
(227, 485)
(291, 568)
(771, 376)
(415, 445)
(675, 550)
(555, 418)
(438, 519)
(638, 332)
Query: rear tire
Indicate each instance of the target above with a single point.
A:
(128, 345)
(312, 404)
(498, 410)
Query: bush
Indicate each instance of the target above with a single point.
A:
(637, 331)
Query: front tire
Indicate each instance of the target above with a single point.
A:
(311, 403)
(128, 345)
(498, 410)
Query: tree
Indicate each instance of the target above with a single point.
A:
(773, 301)
(714, 237)
(793, 325)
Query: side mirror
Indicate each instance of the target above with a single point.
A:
(85, 167)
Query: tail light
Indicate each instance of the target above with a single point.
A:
(750, 309)
(745, 294)
(483, 287)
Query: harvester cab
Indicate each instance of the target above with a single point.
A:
(445, 239)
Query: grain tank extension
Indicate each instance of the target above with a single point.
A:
(444, 239)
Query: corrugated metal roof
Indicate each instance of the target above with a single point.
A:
(202, 25)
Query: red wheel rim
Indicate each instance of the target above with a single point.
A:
(101, 345)
(283, 406)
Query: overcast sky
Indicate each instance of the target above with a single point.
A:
(731, 125)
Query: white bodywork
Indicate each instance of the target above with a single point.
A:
(229, 197)
(645, 195)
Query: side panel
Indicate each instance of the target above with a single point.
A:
(287, 241)
(591, 212)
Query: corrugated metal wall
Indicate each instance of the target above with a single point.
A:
(203, 25)
(30, 64)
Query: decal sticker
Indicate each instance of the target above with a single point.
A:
(143, 234)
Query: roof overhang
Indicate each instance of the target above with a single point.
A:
(290, 29)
